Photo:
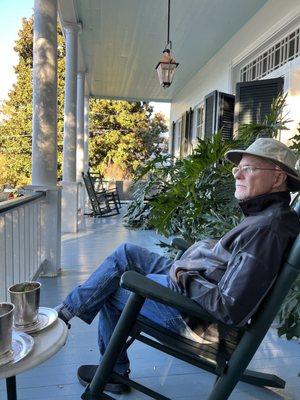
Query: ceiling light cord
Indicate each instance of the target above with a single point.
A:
(169, 43)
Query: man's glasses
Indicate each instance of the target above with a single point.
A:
(249, 170)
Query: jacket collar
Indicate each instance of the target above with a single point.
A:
(260, 203)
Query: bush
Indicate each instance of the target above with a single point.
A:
(193, 197)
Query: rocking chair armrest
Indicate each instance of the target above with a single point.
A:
(111, 190)
(149, 289)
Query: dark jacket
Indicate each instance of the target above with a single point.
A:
(230, 277)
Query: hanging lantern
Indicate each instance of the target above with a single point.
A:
(167, 65)
(166, 69)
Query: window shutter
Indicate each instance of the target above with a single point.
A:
(186, 133)
(226, 115)
(172, 141)
(190, 130)
(254, 99)
(182, 135)
(219, 113)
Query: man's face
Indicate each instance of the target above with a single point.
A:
(259, 181)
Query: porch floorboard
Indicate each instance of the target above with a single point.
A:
(56, 378)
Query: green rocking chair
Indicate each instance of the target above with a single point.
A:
(228, 360)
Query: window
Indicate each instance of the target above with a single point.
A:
(272, 58)
(177, 138)
(200, 121)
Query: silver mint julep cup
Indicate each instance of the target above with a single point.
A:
(26, 298)
(6, 322)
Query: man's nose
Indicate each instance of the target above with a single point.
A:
(238, 173)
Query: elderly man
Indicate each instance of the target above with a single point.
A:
(228, 278)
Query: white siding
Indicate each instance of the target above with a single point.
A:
(217, 73)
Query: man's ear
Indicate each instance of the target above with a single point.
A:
(279, 179)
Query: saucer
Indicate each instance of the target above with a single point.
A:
(6, 357)
(45, 318)
(22, 344)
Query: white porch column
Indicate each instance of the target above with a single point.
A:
(44, 121)
(80, 148)
(80, 126)
(70, 192)
(86, 146)
(69, 149)
(86, 133)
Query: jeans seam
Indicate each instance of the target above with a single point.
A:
(96, 292)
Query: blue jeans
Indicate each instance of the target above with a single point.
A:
(101, 294)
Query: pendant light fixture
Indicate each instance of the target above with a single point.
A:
(167, 65)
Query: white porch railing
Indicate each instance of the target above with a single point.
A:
(21, 252)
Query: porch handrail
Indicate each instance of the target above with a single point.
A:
(11, 204)
(22, 247)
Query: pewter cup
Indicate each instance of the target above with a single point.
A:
(26, 298)
(6, 322)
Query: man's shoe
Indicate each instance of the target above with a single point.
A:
(85, 374)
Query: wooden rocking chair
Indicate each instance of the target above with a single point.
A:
(103, 204)
(228, 359)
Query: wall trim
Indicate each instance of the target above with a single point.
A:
(278, 30)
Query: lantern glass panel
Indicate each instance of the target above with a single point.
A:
(166, 72)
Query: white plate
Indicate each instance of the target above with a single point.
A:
(22, 344)
(46, 317)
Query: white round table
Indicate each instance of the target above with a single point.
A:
(46, 343)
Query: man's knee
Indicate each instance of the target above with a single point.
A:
(126, 249)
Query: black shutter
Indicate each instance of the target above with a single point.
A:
(172, 141)
(182, 135)
(190, 130)
(226, 115)
(219, 113)
(254, 99)
(186, 133)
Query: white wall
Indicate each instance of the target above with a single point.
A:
(217, 73)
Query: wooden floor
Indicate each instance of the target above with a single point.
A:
(56, 378)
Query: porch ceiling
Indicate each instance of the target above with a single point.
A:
(122, 40)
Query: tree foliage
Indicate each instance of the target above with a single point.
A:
(16, 125)
(193, 197)
(123, 134)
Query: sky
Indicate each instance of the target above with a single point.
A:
(12, 12)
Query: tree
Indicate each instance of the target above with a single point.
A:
(123, 134)
(16, 126)
(15, 138)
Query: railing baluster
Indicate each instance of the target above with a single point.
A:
(2, 259)
(39, 234)
(27, 241)
(9, 250)
(15, 246)
(22, 235)
(30, 240)
(35, 234)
